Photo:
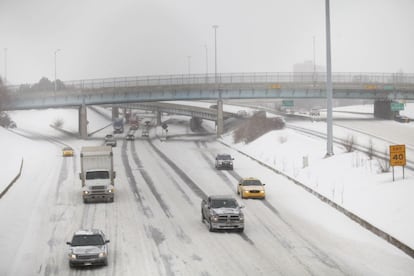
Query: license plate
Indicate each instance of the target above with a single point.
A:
(87, 263)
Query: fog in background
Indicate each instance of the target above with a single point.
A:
(102, 38)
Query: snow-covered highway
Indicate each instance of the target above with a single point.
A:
(154, 225)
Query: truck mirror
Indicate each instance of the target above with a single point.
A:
(263, 184)
(106, 241)
(80, 176)
(68, 243)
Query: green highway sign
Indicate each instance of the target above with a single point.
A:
(397, 106)
(288, 103)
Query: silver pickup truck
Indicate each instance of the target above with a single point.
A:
(222, 212)
(88, 247)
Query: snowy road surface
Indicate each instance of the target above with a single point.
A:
(155, 227)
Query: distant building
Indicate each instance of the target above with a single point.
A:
(304, 71)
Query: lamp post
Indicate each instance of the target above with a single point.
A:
(189, 64)
(329, 132)
(219, 101)
(55, 66)
(5, 66)
(205, 46)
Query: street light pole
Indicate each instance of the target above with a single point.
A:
(220, 100)
(205, 46)
(189, 65)
(329, 132)
(55, 66)
(5, 66)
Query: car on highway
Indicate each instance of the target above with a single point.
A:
(222, 212)
(67, 151)
(402, 119)
(251, 187)
(110, 140)
(130, 137)
(224, 161)
(88, 247)
(145, 132)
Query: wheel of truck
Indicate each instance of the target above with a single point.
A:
(240, 230)
(210, 227)
(202, 217)
(85, 200)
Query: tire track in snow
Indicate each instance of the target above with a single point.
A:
(190, 183)
(133, 184)
(148, 180)
(152, 232)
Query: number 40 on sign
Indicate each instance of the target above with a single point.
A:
(397, 155)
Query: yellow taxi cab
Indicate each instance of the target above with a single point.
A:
(67, 151)
(251, 187)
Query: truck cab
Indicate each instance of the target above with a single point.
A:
(222, 212)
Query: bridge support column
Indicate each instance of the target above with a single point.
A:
(382, 109)
(83, 122)
(220, 123)
(158, 116)
(115, 113)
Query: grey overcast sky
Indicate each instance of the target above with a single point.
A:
(106, 38)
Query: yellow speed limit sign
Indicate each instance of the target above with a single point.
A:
(397, 155)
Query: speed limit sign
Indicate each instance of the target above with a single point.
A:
(397, 155)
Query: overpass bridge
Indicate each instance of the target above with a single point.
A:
(381, 87)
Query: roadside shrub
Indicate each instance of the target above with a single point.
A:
(58, 123)
(255, 127)
(384, 164)
(349, 143)
(370, 149)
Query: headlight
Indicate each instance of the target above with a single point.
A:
(85, 192)
(262, 192)
(110, 190)
(245, 191)
(214, 218)
(241, 218)
(72, 256)
(102, 254)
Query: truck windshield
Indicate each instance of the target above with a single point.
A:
(224, 203)
(224, 157)
(85, 240)
(97, 175)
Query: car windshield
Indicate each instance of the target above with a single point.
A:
(252, 182)
(97, 175)
(85, 240)
(224, 157)
(224, 203)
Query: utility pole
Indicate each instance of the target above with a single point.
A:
(329, 145)
(220, 100)
(55, 66)
(5, 66)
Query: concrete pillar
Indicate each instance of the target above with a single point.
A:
(115, 113)
(158, 116)
(83, 122)
(382, 109)
(220, 122)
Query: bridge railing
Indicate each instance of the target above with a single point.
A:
(253, 78)
(297, 78)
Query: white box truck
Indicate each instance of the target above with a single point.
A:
(97, 174)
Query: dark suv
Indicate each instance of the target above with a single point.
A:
(224, 161)
(88, 247)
